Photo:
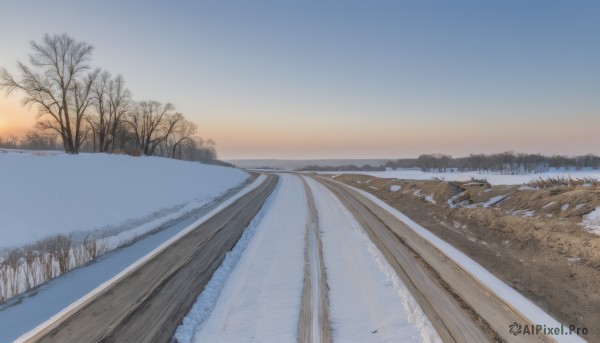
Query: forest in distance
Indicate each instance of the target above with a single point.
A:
(506, 163)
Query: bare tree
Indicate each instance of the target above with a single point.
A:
(111, 100)
(59, 87)
(184, 130)
(36, 140)
(152, 124)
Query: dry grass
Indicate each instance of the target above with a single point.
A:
(25, 268)
(561, 181)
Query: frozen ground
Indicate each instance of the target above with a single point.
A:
(494, 179)
(47, 194)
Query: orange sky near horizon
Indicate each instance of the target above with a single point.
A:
(249, 135)
(15, 119)
(339, 79)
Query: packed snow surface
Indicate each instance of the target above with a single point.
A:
(47, 194)
(255, 294)
(367, 300)
(260, 302)
(207, 300)
(494, 179)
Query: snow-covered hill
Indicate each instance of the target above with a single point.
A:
(42, 195)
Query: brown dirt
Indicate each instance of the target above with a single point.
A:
(548, 256)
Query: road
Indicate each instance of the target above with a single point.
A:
(325, 264)
(313, 325)
(461, 308)
(148, 304)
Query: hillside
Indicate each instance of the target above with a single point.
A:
(47, 194)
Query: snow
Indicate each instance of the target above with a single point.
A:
(260, 301)
(504, 291)
(44, 195)
(591, 221)
(395, 188)
(427, 197)
(368, 301)
(528, 213)
(494, 179)
(495, 200)
(451, 200)
(564, 207)
(207, 300)
(69, 291)
(255, 294)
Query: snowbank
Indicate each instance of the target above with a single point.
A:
(45, 195)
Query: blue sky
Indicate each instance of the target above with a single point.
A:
(361, 79)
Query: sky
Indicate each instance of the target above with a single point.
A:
(342, 79)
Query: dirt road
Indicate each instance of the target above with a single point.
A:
(147, 304)
(459, 306)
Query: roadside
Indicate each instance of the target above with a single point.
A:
(28, 310)
(554, 262)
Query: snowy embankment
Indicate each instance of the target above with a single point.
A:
(95, 202)
(494, 179)
(62, 295)
(502, 290)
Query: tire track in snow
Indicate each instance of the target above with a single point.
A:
(368, 302)
(313, 323)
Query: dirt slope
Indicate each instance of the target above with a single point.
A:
(527, 237)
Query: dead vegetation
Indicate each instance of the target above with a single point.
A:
(561, 181)
(25, 268)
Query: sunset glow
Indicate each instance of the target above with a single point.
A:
(349, 80)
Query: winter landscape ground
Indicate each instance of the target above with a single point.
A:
(388, 171)
(311, 258)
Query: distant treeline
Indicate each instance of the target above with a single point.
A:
(349, 167)
(191, 149)
(509, 163)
